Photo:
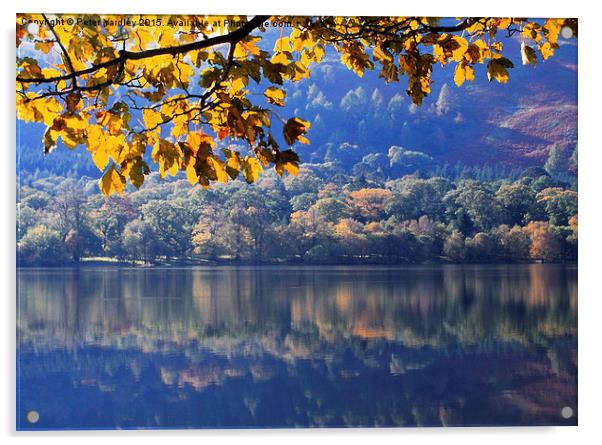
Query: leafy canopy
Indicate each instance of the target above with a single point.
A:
(182, 87)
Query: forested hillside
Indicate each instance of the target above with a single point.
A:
(322, 215)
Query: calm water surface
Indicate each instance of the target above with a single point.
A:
(297, 346)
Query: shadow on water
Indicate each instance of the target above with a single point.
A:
(297, 346)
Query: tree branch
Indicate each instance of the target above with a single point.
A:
(232, 38)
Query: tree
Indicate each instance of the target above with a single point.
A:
(303, 201)
(419, 197)
(558, 162)
(351, 237)
(514, 242)
(480, 247)
(453, 246)
(26, 218)
(572, 239)
(545, 243)
(205, 234)
(355, 102)
(373, 165)
(68, 204)
(477, 200)
(36, 200)
(74, 244)
(518, 201)
(309, 229)
(140, 241)
(446, 102)
(370, 203)
(184, 88)
(172, 223)
(407, 161)
(332, 209)
(41, 246)
(559, 204)
(109, 221)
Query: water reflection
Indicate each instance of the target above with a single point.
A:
(273, 347)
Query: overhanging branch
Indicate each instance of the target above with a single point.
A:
(124, 55)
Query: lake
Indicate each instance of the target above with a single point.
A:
(257, 347)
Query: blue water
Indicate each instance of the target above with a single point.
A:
(297, 347)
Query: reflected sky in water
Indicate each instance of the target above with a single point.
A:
(297, 346)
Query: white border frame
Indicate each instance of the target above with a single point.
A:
(590, 25)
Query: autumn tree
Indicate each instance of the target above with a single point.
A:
(480, 247)
(351, 237)
(186, 87)
(68, 205)
(454, 247)
(545, 243)
(332, 209)
(513, 242)
(370, 203)
(206, 238)
(309, 228)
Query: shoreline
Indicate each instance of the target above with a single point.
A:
(190, 264)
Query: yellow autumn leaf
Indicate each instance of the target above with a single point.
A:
(547, 49)
(318, 53)
(234, 163)
(294, 129)
(281, 57)
(151, 118)
(275, 96)
(134, 170)
(191, 173)
(45, 47)
(301, 39)
(463, 72)
(97, 146)
(238, 84)
(292, 169)
(247, 47)
(498, 69)
(111, 182)
(287, 160)
(143, 39)
(380, 53)
(252, 169)
(167, 155)
(220, 171)
(462, 46)
(282, 44)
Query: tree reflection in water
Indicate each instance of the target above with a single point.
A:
(288, 346)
